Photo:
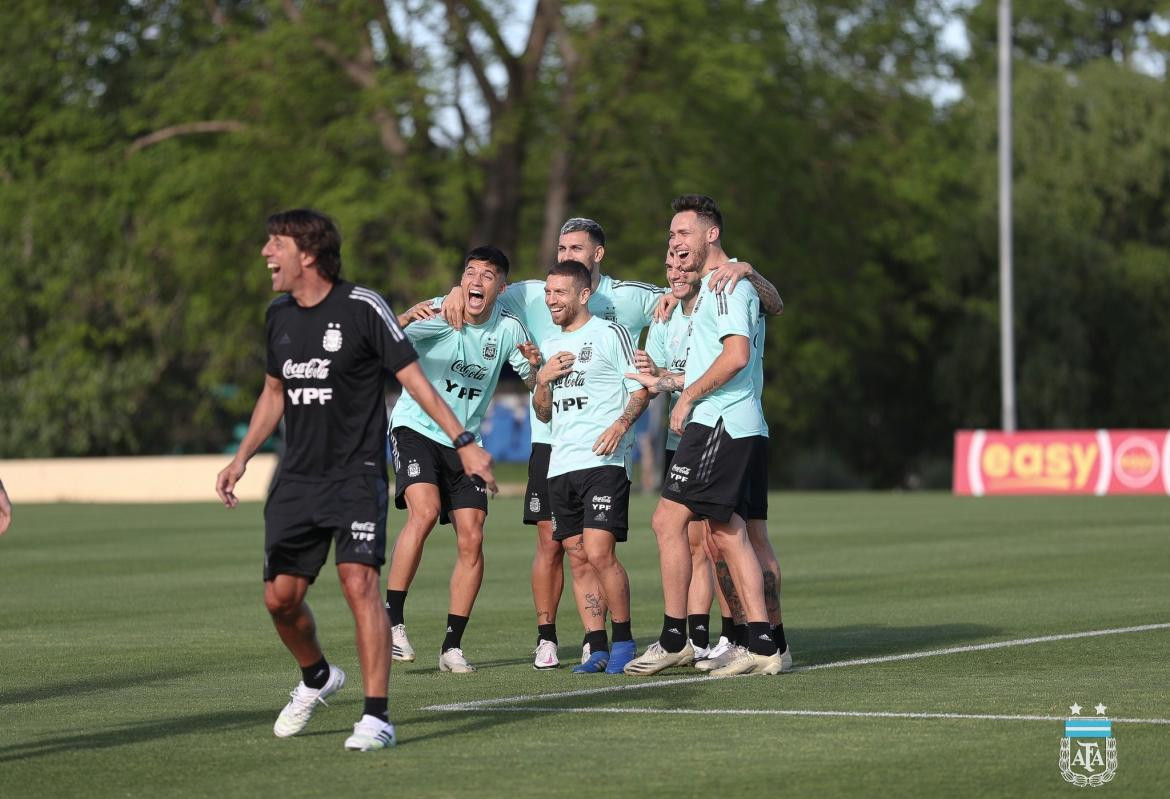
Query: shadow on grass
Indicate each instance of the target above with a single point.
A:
(818, 645)
(91, 685)
(139, 732)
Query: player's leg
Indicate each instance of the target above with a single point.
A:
(466, 578)
(592, 611)
(417, 481)
(762, 656)
(548, 571)
(294, 551)
(700, 591)
(358, 508)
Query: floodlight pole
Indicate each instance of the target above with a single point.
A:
(1007, 353)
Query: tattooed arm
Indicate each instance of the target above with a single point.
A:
(725, 276)
(664, 383)
(735, 356)
(608, 441)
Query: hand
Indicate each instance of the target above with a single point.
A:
(532, 353)
(454, 308)
(416, 313)
(225, 482)
(477, 462)
(682, 410)
(727, 274)
(607, 442)
(665, 307)
(644, 364)
(557, 367)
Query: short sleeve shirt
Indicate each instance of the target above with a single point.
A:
(464, 367)
(333, 360)
(716, 316)
(629, 303)
(668, 344)
(592, 396)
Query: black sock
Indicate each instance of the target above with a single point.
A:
(395, 605)
(741, 635)
(376, 706)
(547, 632)
(316, 675)
(455, 627)
(760, 638)
(728, 630)
(621, 631)
(778, 637)
(674, 634)
(597, 641)
(697, 624)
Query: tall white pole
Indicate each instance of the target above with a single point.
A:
(1007, 354)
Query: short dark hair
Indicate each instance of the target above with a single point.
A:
(314, 233)
(581, 224)
(574, 269)
(492, 255)
(702, 205)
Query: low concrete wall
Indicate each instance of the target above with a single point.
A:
(178, 478)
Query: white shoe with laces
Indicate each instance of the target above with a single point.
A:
(729, 654)
(400, 648)
(299, 710)
(453, 661)
(371, 734)
(546, 655)
(721, 647)
(748, 662)
(655, 659)
(701, 652)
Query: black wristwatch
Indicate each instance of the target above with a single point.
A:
(463, 439)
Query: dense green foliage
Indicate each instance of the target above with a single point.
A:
(142, 143)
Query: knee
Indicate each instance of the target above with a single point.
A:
(279, 605)
(423, 518)
(470, 544)
(357, 580)
(549, 551)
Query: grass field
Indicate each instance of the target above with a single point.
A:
(138, 660)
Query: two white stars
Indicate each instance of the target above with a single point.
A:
(1076, 709)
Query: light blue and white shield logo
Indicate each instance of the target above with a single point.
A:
(1088, 750)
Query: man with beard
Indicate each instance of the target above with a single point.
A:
(582, 392)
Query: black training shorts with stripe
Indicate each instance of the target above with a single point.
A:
(708, 471)
(421, 459)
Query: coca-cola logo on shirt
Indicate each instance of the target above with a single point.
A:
(474, 371)
(312, 369)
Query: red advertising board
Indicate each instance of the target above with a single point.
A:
(1062, 462)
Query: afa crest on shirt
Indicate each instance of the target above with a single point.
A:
(489, 351)
(586, 353)
(332, 340)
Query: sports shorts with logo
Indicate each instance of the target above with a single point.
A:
(536, 504)
(667, 458)
(708, 471)
(418, 459)
(597, 498)
(302, 518)
(753, 502)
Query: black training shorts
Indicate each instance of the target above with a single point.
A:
(419, 459)
(597, 498)
(709, 471)
(753, 502)
(536, 501)
(301, 519)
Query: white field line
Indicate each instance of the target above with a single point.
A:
(483, 704)
(858, 714)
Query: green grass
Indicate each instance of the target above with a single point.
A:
(139, 661)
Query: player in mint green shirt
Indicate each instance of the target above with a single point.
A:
(722, 414)
(464, 367)
(583, 393)
(628, 303)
